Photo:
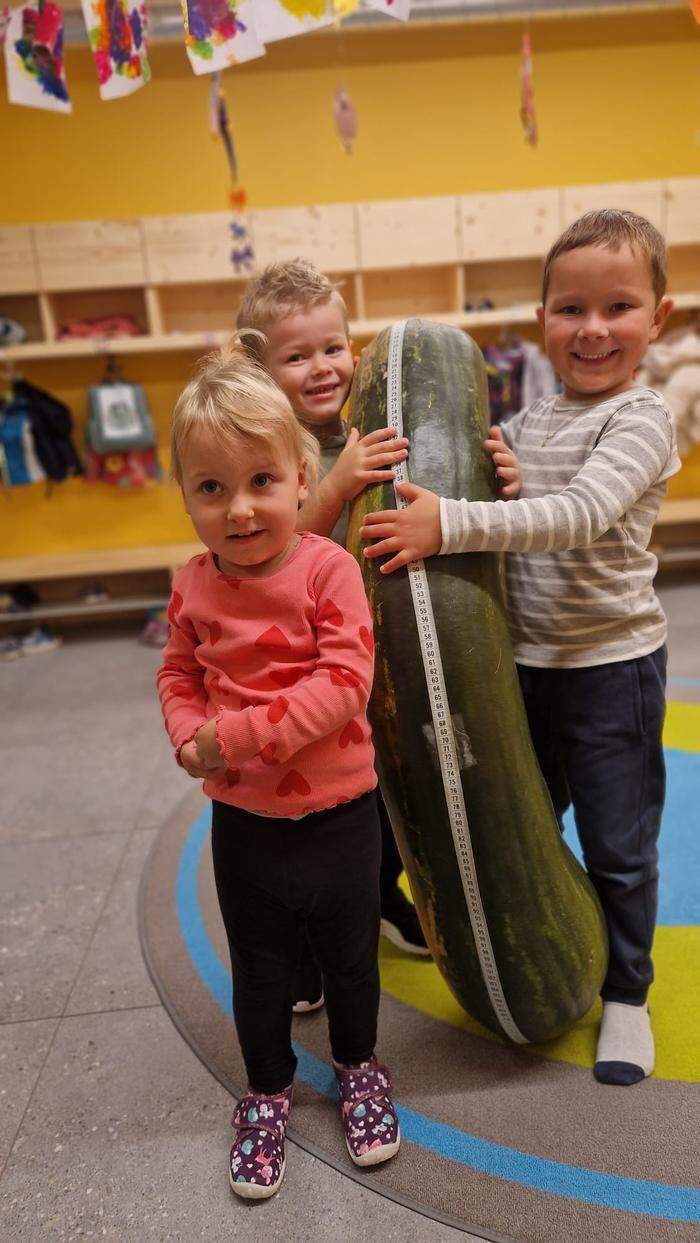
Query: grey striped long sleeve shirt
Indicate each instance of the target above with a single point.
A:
(579, 572)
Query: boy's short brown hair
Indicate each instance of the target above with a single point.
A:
(280, 290)
(614, 228)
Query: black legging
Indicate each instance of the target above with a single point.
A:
(279, 879)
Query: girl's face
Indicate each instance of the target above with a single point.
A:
(243, 503)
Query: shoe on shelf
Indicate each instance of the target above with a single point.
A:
(39, 640)
(400, 923)
(308, 984)
(257, 1160)
(372, 1132)
(93, 593)
(10, 647)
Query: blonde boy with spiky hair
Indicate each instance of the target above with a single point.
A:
(306, 348)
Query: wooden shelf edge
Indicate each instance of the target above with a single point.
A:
(79, 608)
(96, 562)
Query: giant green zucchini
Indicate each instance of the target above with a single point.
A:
(511, 918)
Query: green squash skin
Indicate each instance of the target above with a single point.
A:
(545, 922)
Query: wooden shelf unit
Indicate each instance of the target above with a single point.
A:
(427, 257)
(173, 275)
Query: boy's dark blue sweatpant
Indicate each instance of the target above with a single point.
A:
(597, 734)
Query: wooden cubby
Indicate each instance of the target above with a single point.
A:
(397, 258)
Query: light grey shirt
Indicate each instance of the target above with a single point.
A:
(579, 573)
(331, 449)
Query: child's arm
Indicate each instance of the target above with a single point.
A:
(505, 463)
(337, 690)
(361, 463)
(629, 457)
(180, 683)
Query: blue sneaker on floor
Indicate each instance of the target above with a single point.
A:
(39, 640)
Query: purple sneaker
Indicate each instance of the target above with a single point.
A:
(256, 1164)
(370, 1123)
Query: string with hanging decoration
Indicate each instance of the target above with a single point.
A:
(527, 97)
(242, 255)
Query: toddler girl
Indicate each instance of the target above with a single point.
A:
(264, 687)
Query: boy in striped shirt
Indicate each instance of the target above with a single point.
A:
(588, 629)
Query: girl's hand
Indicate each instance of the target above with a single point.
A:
(367, 461)
(207, 747)
(191, 763)
(411, 534)
(506, 463)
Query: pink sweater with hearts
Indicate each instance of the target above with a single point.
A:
(285, 663)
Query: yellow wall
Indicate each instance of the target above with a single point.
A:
(438, 114)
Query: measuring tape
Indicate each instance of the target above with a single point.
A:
(442, 722)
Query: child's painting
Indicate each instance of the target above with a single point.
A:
(280, 19)
(400, 9)
(34, 58)
(117, 33)
(219, 33)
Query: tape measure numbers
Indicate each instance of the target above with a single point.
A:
(442, 722)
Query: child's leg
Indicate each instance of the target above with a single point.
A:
(615, 767)
(343, 924)
(251, 867)
(541, 693)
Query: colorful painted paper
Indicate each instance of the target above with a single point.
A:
(400, 9)
(117, 33)
(281, 19)
(34, 58)
(219, 33)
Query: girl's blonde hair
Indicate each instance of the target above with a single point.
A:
(232, 397)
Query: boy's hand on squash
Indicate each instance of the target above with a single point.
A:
(366, 461)
(510, 476)
(410, 534)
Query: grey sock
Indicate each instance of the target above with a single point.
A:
(625, 1052)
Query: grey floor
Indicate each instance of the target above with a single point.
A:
(109, 1125)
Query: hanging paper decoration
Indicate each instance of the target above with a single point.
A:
(345, 118)
(527, 99)
(4, 22)
(280, 19)
(343, 8)
(117, 33)
(34, 58)
(219, 33)
(242, 256)
(695, 9)
(400, 9)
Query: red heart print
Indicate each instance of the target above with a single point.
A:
(351, 733)
(232, 776)
(277, 710)
(367, 639)
(273, 638)
(267, 755)
(330, 613)
(293, 783)
(344, 677)
(203, 559)
(285, 677)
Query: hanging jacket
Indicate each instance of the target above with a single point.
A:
(52, 424)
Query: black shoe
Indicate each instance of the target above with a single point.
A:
(400, 924)
(308, 985)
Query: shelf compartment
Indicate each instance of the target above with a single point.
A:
(683, 270)
(508, 285)
(24, 308)
(398, 292)
(425, 230)
(202, 308)
(98, 304)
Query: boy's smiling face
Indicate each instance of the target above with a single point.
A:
(599, 317)
(308, 355)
